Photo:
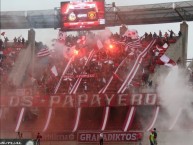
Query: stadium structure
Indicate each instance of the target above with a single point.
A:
(95, 85)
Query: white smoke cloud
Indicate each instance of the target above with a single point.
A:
(104, 34)
(20, 67)
(176, 99)
(62, 51)
(176, 96)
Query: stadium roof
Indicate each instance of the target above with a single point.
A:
(115, 16)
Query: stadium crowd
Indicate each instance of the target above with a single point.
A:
(81, 59)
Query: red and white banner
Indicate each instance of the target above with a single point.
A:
(80, 100)
(109, 137)
(92, 137)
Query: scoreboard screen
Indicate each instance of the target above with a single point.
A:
(82, 15)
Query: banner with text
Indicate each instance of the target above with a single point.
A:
(79, 76)
(93, 136)
(80, 100)
(59, 136)
(110, 137)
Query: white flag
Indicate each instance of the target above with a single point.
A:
(54, 71)
(99, 44)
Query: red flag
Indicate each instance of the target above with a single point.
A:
(160, 50)
(165, 60)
